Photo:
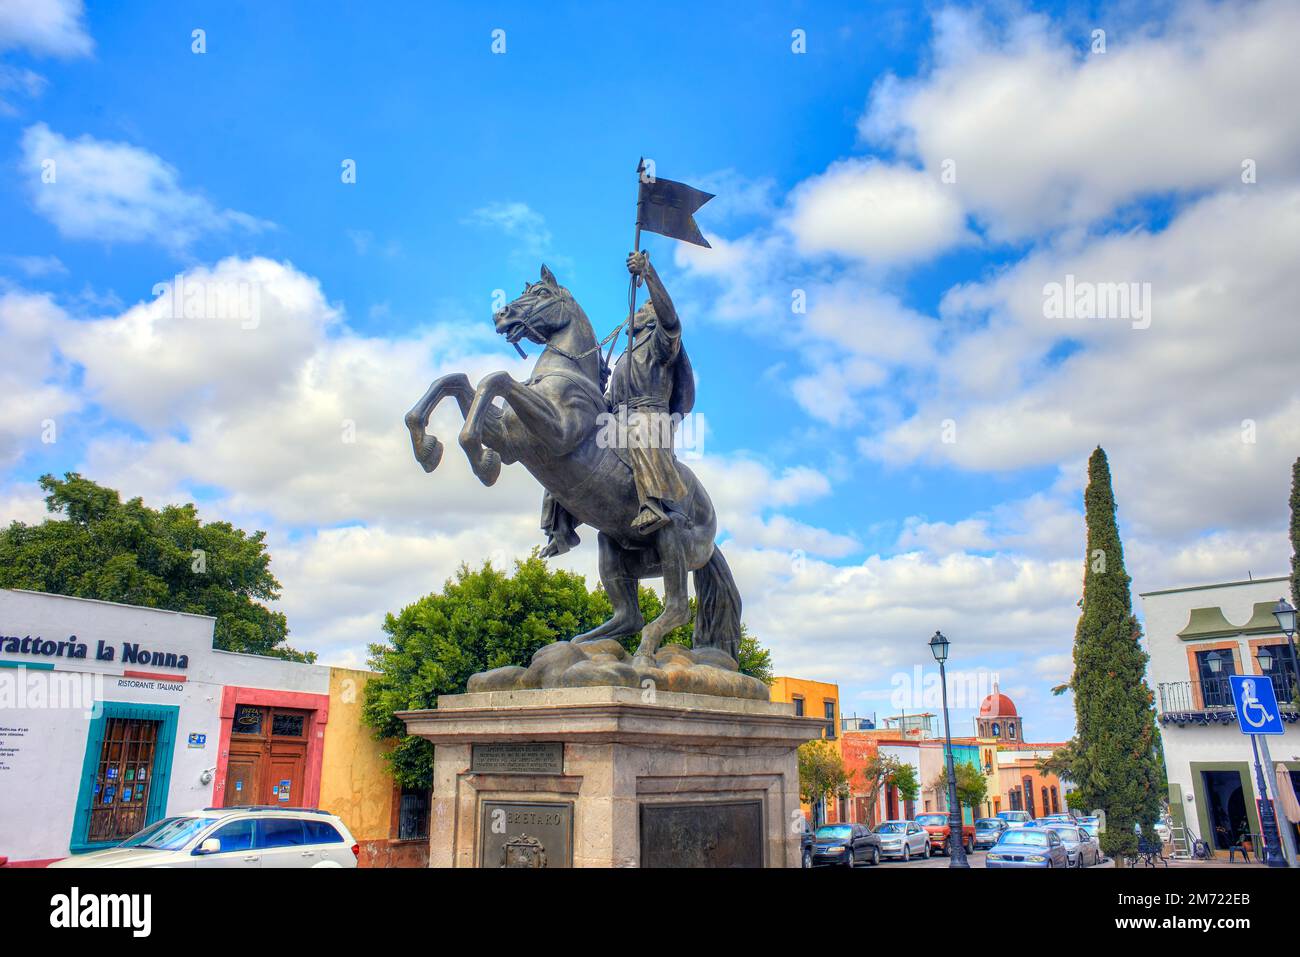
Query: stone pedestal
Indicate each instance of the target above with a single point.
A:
(603, 777)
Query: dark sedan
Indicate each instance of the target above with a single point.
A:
(988, 830)
(846, 844)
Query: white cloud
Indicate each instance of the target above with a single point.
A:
(1045, 134)
(36, 390)
(116, 192)
(53, 27)
(869, 210)
(21, 83)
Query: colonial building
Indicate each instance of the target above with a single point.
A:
(113, 716)
(1198, 636)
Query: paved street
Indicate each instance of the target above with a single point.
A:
(938, 860)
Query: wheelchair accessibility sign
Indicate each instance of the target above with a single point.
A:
(1257, 710)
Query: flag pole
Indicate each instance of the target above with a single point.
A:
(634, 280)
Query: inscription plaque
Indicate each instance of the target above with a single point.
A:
(521, 757)
(526, 834)
(724, 834)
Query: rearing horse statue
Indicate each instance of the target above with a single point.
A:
(550, 424)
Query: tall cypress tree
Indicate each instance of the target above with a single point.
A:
(1117, 765)
(1295, 533)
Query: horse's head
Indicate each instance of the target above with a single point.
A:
(544, 309)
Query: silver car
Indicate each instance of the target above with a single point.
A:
(239, 838)
(1027, 847)
(903, 839)
(1080, 849)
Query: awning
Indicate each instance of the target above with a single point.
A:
(1286, 799)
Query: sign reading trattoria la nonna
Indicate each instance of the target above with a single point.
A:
(73, 649)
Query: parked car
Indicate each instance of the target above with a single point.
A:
(1080, 849)
(903, 839)
(244, 838)
(1015, 818)
(846, 844)
(988, 830)
(806, 842)
(1090, 824)
(1027, 847)
(938, 826)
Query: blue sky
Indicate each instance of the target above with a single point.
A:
(855, 527)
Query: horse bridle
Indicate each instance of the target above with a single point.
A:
(526, 322)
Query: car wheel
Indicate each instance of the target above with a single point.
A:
(907, 853)
(807, 858)
(853, 859)
(927, 850)
(875, 856)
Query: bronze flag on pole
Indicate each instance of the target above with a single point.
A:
(668, 208)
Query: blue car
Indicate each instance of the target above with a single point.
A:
(1028, 847)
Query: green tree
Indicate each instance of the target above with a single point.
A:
(904, 778)
(1115, 762)
(877, 772)
(484, 618)
(821, 772)
(101, 547)
(972, 786)
(1295, 533)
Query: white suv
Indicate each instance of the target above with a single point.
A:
(236, 837)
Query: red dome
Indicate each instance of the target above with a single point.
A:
(998, 705)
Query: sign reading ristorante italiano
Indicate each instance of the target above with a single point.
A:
(72, 649)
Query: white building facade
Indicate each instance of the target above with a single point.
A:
(1197, 637)
(113, 716)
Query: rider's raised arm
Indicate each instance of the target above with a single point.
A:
(665, 314)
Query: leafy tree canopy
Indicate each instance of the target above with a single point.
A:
(481, 619)
(101, 547)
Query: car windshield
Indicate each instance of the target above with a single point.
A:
(1010, 815)
(834, 832)
(1036, 838)
(987, 824)
(169, 834)
(1066, 833)
(891, 827)
(931, 819)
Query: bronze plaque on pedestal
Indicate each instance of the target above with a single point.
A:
(526, 834)
(726, 834)
(518, 757)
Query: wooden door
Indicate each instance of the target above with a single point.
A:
(268, 757)
(243, 778)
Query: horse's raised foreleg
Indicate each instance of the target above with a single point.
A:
(677, 611)
(428, 450)
(620, 583)
(555, 430)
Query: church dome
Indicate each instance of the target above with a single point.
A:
(998, 705)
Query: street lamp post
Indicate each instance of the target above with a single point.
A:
(956, 842)
(1285, 615)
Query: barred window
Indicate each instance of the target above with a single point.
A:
(413, 814)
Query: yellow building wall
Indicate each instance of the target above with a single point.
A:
(814, 694)
(354, 784)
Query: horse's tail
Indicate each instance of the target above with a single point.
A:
(717, 606)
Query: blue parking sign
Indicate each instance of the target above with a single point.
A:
(1257, 710)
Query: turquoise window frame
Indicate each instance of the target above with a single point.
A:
(161, 772)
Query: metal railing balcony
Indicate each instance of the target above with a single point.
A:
(1209, 700)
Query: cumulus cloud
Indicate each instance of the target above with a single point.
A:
(869, 210)
(116, 192)
(1045, 134)
(50, 27)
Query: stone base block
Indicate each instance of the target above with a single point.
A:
(613, 777)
